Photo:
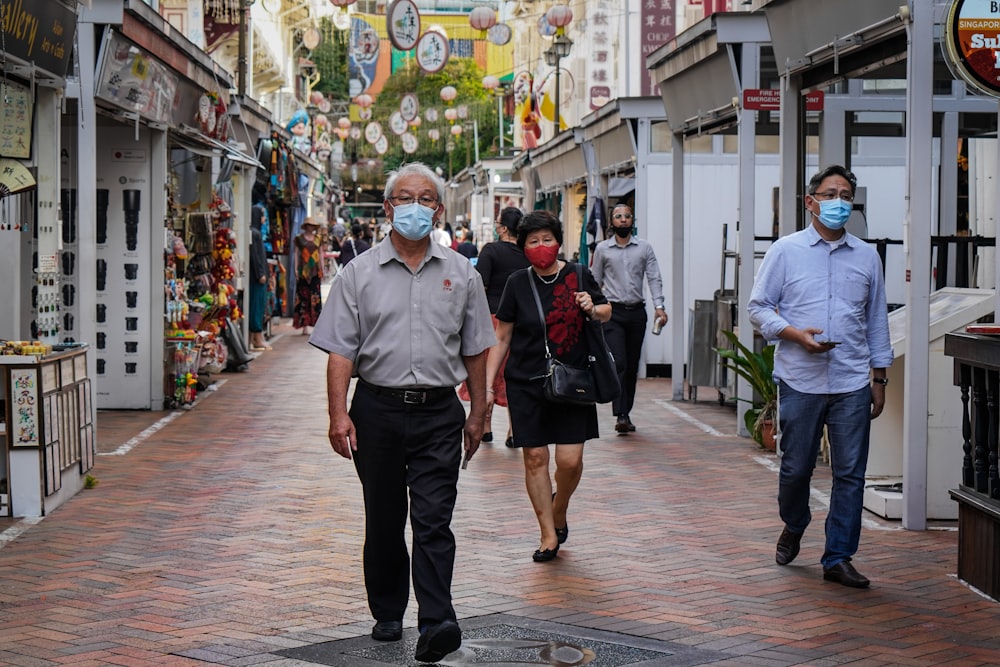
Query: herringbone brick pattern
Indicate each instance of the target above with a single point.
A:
(234, 531)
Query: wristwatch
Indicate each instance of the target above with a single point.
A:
(881, 381)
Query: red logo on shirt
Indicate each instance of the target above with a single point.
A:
(446, 285)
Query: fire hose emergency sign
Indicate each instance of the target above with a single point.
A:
(972, 43)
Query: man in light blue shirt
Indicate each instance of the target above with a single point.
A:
(821, 294)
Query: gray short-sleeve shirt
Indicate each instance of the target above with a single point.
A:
(404, 328)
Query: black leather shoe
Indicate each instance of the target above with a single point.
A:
(487, 437)
(562, 534)
(437, 641)
(545, 555)
(388, 631)
(622, 425)
(509, 442)
(844, 573)
(788, 547)
(631, 426)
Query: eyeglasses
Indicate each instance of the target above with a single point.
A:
(622, 216)
(406, 200)
(832, 194)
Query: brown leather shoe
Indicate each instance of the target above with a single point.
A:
(788, 547)
(844, 573)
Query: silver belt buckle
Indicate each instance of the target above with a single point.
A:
(414, 397)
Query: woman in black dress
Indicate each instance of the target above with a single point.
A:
(497, 260)
(538, 422)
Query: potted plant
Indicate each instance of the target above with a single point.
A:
(757, 368)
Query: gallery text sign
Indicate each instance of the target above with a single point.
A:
(769, 99)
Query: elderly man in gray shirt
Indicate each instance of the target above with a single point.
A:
(410, 319)
(620, 264)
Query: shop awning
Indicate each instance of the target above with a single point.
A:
(202, 144)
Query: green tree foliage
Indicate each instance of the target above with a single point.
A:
(466, 76)
(331, 62)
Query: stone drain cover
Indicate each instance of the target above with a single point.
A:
(509, 641)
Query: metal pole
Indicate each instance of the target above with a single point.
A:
(500, 118)
(558, 124)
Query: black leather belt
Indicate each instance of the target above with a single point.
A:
(628, 306)
(409, 396)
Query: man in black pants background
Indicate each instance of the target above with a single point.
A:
(620, 265)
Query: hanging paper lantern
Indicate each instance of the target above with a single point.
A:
(415, 122)
(490, 82)
(434, 134)
(451, 115)
(559, 17)
(342, 3)
(448, 93)
(315, 97)
(482, 19)
(344, 123)
(456, 130)
(364, 100)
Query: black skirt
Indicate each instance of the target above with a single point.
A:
(537, 422)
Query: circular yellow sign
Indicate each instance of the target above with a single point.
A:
(972, 43)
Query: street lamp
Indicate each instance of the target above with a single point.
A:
(561, 45)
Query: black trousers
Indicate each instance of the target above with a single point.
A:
(417, 448)
(624, 333)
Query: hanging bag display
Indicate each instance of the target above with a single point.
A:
(598, 382)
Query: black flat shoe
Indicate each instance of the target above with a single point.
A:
(562, 533)
(509, 441)
(487, 437)
(388, 631)
(545, 555)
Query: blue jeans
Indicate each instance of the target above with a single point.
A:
(848, 420)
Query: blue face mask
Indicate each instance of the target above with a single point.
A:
(834, 213)
(413, 221)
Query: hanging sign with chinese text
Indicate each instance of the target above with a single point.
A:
(402, 23)
(432, 52)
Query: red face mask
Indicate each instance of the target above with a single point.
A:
(542, 256)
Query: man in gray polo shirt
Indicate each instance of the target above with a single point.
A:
(410, 319)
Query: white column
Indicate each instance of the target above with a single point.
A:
(676, 303)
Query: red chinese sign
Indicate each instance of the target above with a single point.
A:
(656, 29)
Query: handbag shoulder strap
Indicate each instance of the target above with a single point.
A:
(541, 314)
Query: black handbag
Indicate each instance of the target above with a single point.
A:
(597, 383)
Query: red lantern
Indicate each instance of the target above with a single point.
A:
(345, 123)
(490, 82)
(456, 130)
(482, 18)
(451, 114)
(342, 3)
(364, 100)
(559, 17)
(448, 93)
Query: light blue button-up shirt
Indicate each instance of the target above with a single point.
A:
(838, 287)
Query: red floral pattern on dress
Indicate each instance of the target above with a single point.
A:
(564, 319)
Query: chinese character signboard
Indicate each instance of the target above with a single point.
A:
(24, 407)
(657, 29)
(600, 67)
(16, 120)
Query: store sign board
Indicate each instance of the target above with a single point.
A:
(769, 99)
(972, 43)
(130, 78)
(657, 29)
(39, 32)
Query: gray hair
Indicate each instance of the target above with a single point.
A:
(414, 169)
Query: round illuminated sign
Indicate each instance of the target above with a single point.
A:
(410, 143)
(972, 44)
(373, 131)
(409, 106)
(396, 123)
(499, 34)
(382, 145)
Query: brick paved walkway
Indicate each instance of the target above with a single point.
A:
(234, 531)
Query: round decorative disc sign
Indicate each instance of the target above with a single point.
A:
(432, 52)
(382, 145)
(972, 44)
(402, 23)
(499, 34)
(396, 123)
(409, 107)
(410, 143)
(373, 131)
